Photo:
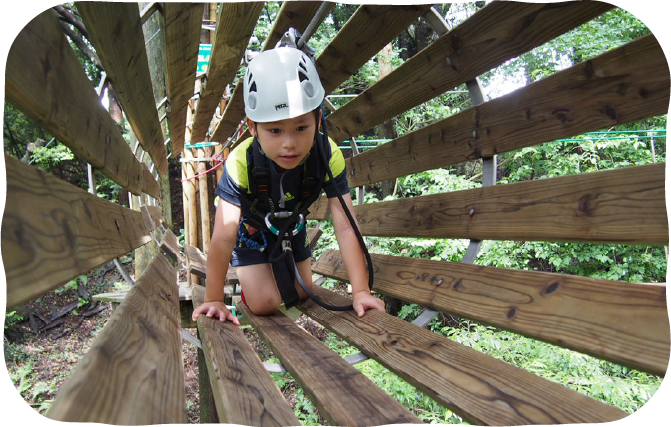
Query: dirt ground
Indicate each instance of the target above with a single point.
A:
(40, 354)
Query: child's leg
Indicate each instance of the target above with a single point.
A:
(261, 293)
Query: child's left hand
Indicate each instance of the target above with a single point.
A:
(363, 301)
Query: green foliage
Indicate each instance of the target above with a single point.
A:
(12, 318)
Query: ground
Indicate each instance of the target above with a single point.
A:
(40, 354)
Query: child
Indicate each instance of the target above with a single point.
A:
(283, 95)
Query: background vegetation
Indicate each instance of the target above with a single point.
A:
(631, 144)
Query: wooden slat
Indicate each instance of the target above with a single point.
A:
(575, 312)
(365, 34)
(53, 231)
(235, 24)
(625, 84)
(197, 264)
(313, 236)
(152, 216)
(170, 246)
(244, 392)
(620, 206)
(46, 81)
(319, 210)
(292, 14)
(460, 55)
(342, 394)
(133, 373)
(478, 387)
(182, 38)
(115, 30)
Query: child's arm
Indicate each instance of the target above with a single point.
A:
(218, 257)
(353, 256)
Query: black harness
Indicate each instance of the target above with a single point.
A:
(280, 227)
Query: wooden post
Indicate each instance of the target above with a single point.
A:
(208, 410)
(204, 199)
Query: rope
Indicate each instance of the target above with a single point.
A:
(216, 157)
(309, 31)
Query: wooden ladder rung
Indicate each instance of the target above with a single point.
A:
(342, 394)
(244, 392)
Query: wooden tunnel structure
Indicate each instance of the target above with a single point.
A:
(133, 373)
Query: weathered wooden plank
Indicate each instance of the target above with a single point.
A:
(53, 231)
(133, 373)
(116, 32)
(343, 394)
(478, 387)
(235, 24)
(625, 84)
(46, 81)
(319, 210)
(152, 216)
(170, 246)
(292, 14)
(620, 206)
(580, 313)
(182, 37)
(364, 35)
(244, 392)
(197, 264)
(459, 56)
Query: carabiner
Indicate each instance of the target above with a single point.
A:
(297, 229)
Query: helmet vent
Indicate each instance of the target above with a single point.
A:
(302, 76)
(252, 88)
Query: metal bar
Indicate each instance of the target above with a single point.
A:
(123, 272)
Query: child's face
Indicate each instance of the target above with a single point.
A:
(286, 142)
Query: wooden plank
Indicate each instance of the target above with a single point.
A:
(244, 392)
(152, 216)
(319, 210)
(292, 14)
(342, 394)
(235, 25)
(623, 85)
(459, 56)
(115, 30)
(45, 80)
(579, 313)
(182, 38)
(133, 373)
(481, 389)
(170, 246)
(364, 35)
(197, 264)
(53, 231)
(621, 206)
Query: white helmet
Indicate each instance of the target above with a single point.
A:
(281, 83)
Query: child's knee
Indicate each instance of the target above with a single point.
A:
(265, 306)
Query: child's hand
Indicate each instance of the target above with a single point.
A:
(363, 301)
(216, 309)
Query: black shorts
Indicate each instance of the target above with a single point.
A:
(243, 255)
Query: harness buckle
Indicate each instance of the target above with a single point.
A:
(286, 245)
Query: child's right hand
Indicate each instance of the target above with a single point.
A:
(216, 309)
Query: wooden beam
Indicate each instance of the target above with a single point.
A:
(623, 85)
(133, 373)
(364, 35)
(621, 206)
(342, 394)
(53, 231)
(579, 313)
(481, 389)
(244, 393)
(116, 32)
(182, 37)
(297, 14)
(235, 25)
(45, 80)
(462, 54)
(170, 247)
(152, 216)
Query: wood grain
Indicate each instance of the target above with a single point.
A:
(115, 30)
(478, 387)
(244, 393)
(197, 264)
(341, 393)
(460, 55)
(182, 38)
(152, 216)
(133, 373)
(621, 206)
(170, 246)
(53, 231)
(235, 24)
(623, 85)
(45, 80)
(579, 313)
(362, 37)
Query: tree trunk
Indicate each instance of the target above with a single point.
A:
(386, 129)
